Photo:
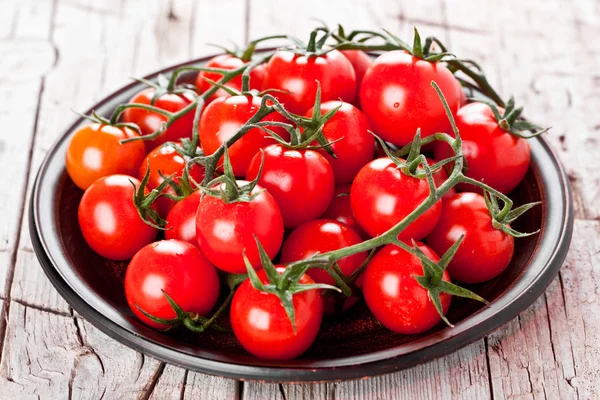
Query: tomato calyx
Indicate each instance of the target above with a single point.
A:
(432, 281)
(143, 200)
(98, 119)
(162, 87)
(510, 121)
(303, 130)
(503, 216)
(314, 47)
(245, 54)
(191, 321)
(227, 187)
(416, 164)
(284, 285)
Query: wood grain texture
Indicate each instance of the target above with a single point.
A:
(62, 54)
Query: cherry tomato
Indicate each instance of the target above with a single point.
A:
(485, 251)
(321, 236)
(109, 221)
(181, 221)
(262, 326)
(224, 117)
(301, 181)
(381, 196)
(95, 151)
(395, 297)
(167, 161)
(354, 145)
(226, 230)
(397, 97)
(361, 62)
(149, 121)
(176, 268)
(493, 156)
(229, 62)
(340, 210)
(298, 75)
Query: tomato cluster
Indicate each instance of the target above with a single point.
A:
(265, 176)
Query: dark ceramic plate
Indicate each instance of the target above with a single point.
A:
(353, 346)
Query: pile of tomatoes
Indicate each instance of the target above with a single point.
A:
(295, 214)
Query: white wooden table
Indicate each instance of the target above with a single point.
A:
(62, 54)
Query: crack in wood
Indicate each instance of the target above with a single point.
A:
(152, 384)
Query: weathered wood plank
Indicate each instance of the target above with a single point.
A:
(532, 356)
(52, 356)
(170, 385)
(219, 22)
(200, 386)
(177, 383)
(25, 59)
(260, 391)
(101, 42)
(575, 323)
(108, 369)
(34, 288)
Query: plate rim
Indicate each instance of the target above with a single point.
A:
(353, 367)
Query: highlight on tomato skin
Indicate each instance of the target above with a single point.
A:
(109, 220)
(493, 155)
(262, 326)
(300, 181)
(176, 268)
(181, 220)
(393, 295)
(396, 97)
(485, 251)
(348, 133)
(150, 121)
(224, 117)
(295, 76)
(165, 161)
(226, 230)
(229, 62)
(382, 195)
(95, 151)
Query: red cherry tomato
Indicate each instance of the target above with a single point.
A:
(109, 221)
(301, 181)
(262, 326)
(95, 151)
(354, 145)
(493, 156)
(397, 97)
(149, 121)
(181, 221)
(361, 62)
(381, 196)
(177, 268)
(485, 251)
(394, 296)
(321, 236)
(224, 117)
(299, 74)
(226, 230)
(229, 62)
(167, 161)
(340, 210)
